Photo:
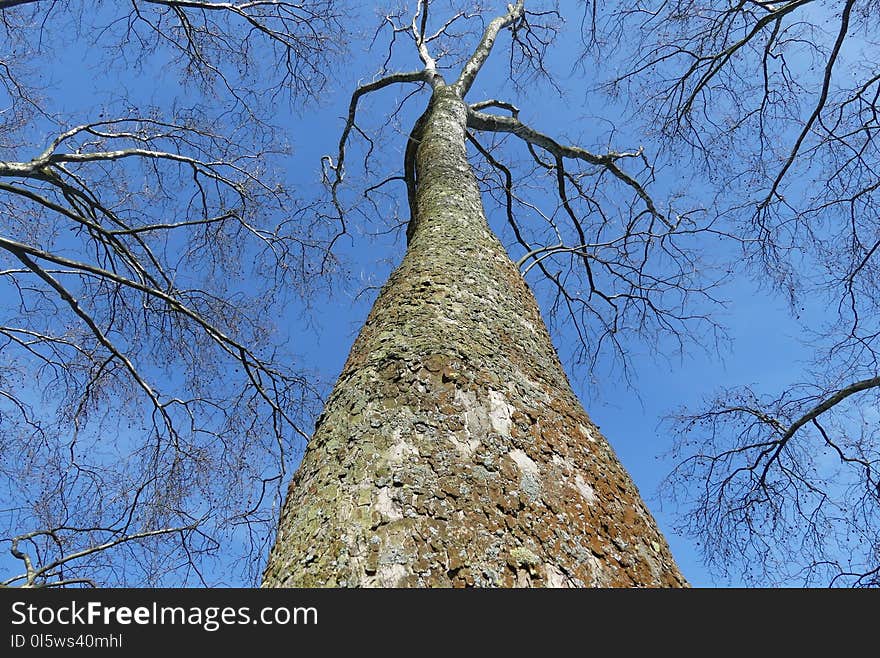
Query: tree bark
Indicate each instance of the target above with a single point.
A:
(452, 450)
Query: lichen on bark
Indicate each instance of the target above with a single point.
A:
(452, 450)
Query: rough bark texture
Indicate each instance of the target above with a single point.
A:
(452, 451)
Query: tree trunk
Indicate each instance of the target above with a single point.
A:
(452, 450)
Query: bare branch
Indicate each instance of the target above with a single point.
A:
(820, 104)
(495, 123)
(335, 179)
(482, 51)
(32, 574)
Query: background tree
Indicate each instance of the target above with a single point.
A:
(147, 245)
(776, 105)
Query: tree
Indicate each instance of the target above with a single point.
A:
(151, 415)
(776, 104)
(452, 450)
(144, 403)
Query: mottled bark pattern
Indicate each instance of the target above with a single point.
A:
(452, 451)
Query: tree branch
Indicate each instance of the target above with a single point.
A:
(495, 123)
(828, 403)
(32, 574)
(820, 104)
(249, 361)
(338, 168)
(484, 48)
